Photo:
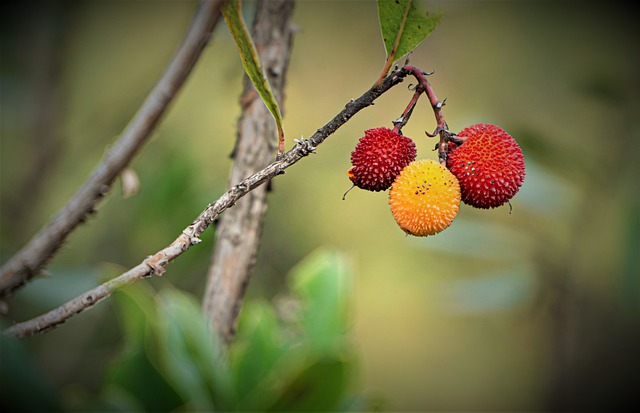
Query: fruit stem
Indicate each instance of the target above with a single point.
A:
(442, 128)
(399, 123)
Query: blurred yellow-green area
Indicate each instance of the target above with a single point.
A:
(525, 310)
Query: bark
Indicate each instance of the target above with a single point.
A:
(239, 230)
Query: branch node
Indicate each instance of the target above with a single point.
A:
(304, 146)
(157, 262)
(193, 239)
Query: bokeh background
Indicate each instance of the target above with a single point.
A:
(534, 309)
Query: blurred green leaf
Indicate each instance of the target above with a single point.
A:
(136, 309)
(190, 354)
(251, 61)
(319, 387)
(303, 363)
(134, 379)
(171, 359)
(257, 356)
(120, 399)
(322, 282)
(404, 26)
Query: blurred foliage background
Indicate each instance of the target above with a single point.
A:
(531, 310)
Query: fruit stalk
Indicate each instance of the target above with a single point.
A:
(442, 128)
(399, 123)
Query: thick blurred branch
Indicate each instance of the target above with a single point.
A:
(239, 229)
(41, 35)
(29, 261)
(190, 236)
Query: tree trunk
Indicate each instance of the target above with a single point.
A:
(239, 229)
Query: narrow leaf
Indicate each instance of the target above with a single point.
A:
(251, 63)
(404, 26)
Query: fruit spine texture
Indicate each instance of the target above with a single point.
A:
(424, 198)
(379, 157)
(489, 166)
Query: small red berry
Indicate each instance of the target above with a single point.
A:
(379, 157)
(489, 166)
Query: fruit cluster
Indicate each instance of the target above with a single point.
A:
(484, 168)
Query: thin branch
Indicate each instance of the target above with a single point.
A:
(31, 259)
(190, 236)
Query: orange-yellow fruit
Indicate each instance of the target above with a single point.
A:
(489, 166)
(424, 198)
(379, 157)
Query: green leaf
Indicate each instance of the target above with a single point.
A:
(190, 354)
(134, 383)
(303, 361)
(133, 379)
(322, 281)
(136, 312)
(321, 386)
(403, 26)
(258, 348)
(251, 61)
(171, 359)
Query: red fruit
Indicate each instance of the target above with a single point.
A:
(489, 166)
(379, 157)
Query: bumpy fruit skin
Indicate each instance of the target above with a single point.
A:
(489, 166)
(424, 198)
(379, 157)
